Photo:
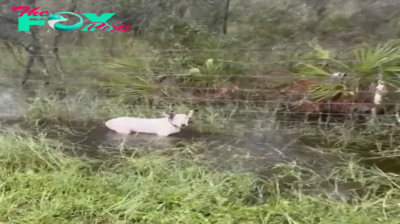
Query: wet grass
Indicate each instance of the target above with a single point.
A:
(42, 183)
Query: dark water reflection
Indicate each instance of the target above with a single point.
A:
(252, 150)
(257, 152)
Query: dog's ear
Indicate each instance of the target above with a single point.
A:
(171, 116)
(190, 113)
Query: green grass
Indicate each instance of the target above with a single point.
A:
(40, 184)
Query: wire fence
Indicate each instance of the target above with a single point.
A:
(197, 59)
(101, 85)
(124, 48)
(233, 118)
(228, 108)
(273, 77)
(110, 84)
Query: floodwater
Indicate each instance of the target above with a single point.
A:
(260, 152)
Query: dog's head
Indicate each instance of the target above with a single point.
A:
(339, 76)
(179, 120)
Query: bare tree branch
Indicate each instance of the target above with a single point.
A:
(11, 50)
(30, 41)
(57, 39)
(35, 54)
(226, 17)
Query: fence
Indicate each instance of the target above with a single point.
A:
(255, 93)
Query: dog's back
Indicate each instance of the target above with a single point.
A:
(126, 125)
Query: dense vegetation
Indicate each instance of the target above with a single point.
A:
(235, 62)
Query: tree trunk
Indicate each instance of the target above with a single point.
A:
(226, 17)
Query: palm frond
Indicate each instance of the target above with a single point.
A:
(310, 70)
(322, 92)
(372, 60)
(129, 78)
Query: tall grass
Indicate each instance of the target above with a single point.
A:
(40, 184)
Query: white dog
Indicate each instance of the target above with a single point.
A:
(169, 124)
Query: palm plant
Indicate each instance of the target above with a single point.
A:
(363, 64)
(130, 76)
(382, 59)
(208, 74)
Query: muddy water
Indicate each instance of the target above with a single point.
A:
(258, 152)
(251, 150)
